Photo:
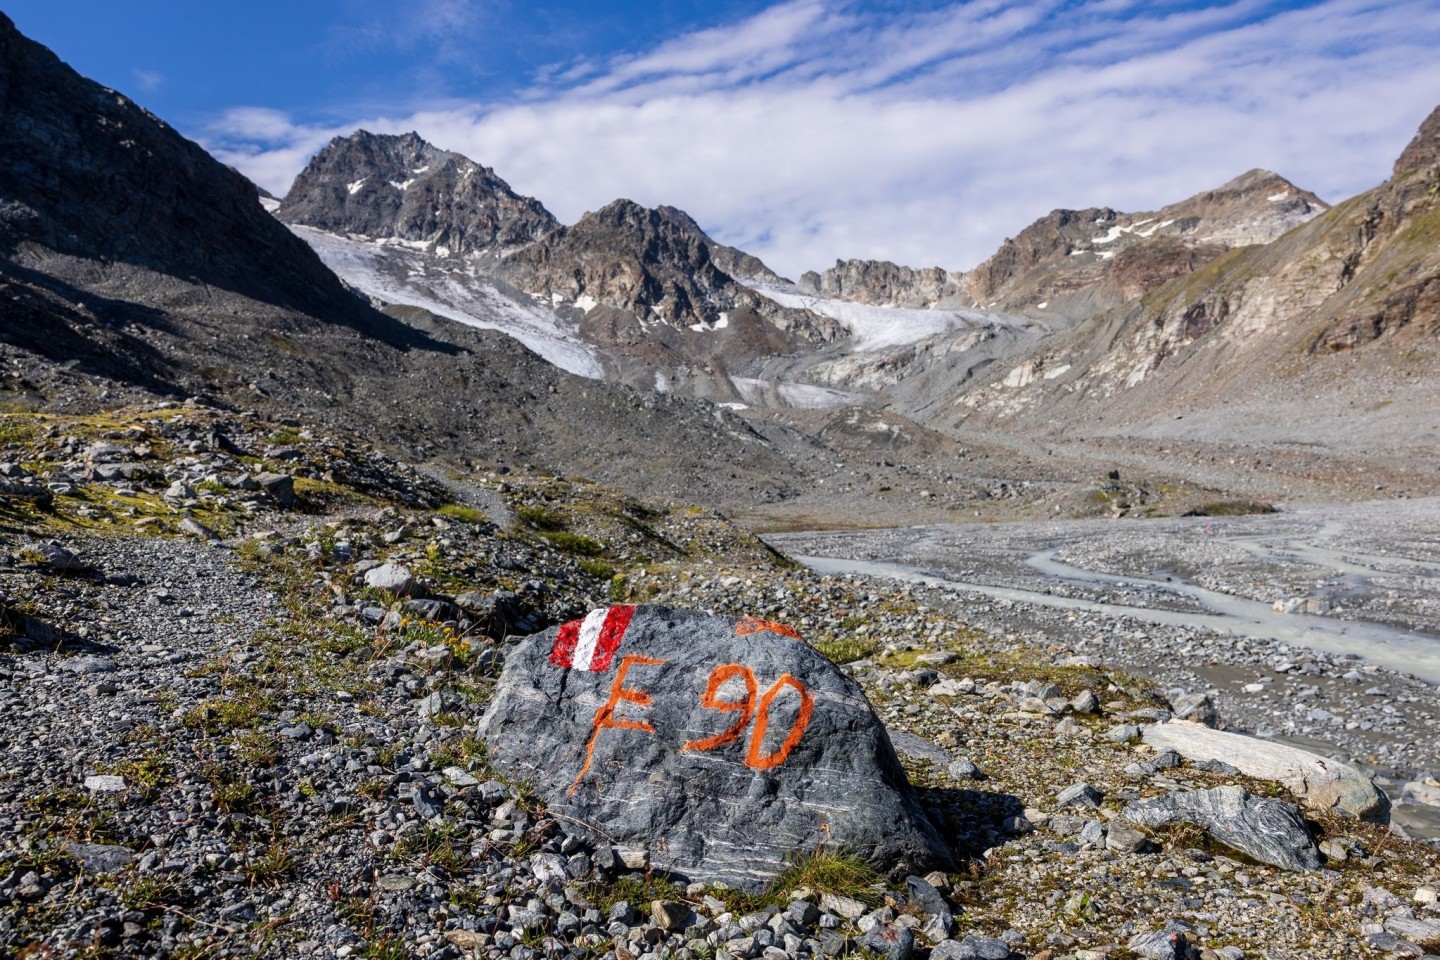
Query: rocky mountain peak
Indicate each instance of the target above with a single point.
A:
(1079, 262)
(387, 186)
(882, 283)
(1424, 149)
(654, 265)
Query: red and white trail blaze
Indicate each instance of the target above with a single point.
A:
(590, 644)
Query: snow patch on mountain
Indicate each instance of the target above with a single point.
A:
(401, 272)
(879, 328)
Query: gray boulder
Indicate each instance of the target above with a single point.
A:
(279, 487)
(720, 746)
(971, 948)
(1168, 944)
(392, 578)
(1319, 782)
(1197, 708)
(1271, 831)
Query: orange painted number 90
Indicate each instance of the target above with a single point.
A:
(747, 707)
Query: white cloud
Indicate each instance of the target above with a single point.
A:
(148, 80)
(815, 130)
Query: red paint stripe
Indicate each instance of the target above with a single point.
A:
(616, 623)
(563, 651)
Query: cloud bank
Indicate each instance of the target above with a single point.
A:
(818, 130)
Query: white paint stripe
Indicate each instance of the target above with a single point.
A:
(590, 629)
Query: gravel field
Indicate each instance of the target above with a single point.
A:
(1351, 669)
(242, 666)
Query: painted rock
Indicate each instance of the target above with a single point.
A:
(720, 748)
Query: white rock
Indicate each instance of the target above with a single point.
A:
(1320, 783)
(105, 783)
(392, 578)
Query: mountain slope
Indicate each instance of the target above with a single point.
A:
(1077, 263)
(128, 253)
(403, 188)
(1300, 337)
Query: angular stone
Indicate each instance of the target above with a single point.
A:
(548, 867)
(1124, 838)
(197, 529)
(1079, 795)
(1419, 931)
(1197, 708)
(972, 947)
(99, 857)
(670, 915)
(842, 906)
(279, 487)
(391, 578)
(1320, 783)
(917, 748)
(1270, 831)
(1163, 945)
(890, 941)
(105, 783)
(720, 745)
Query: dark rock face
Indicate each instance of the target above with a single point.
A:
(657, 265)
(721, 747)
(69, 153)
(402, 187)
(1424, 150)
(1271, 831)
(882, 283)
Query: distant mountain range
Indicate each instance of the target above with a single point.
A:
(1251, 310)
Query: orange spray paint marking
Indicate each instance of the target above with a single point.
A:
(751, 625)
(718, 677)
(765, 761)
(605, 716)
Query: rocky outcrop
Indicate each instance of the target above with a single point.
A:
(401, 187)
(707, 746)
(1271, 831)
(655, 266)
(1079, 262)
(1422, 151)
(882, 283)
(85, 172)
(1320, 783)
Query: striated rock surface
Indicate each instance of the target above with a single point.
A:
(882, 283)
(716, 746)
(401, 187)
(1271, 831)
(1320, 783)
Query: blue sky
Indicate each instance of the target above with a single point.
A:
(803, 131)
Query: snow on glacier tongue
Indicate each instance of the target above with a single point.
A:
(876, 328)
(398, 273)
